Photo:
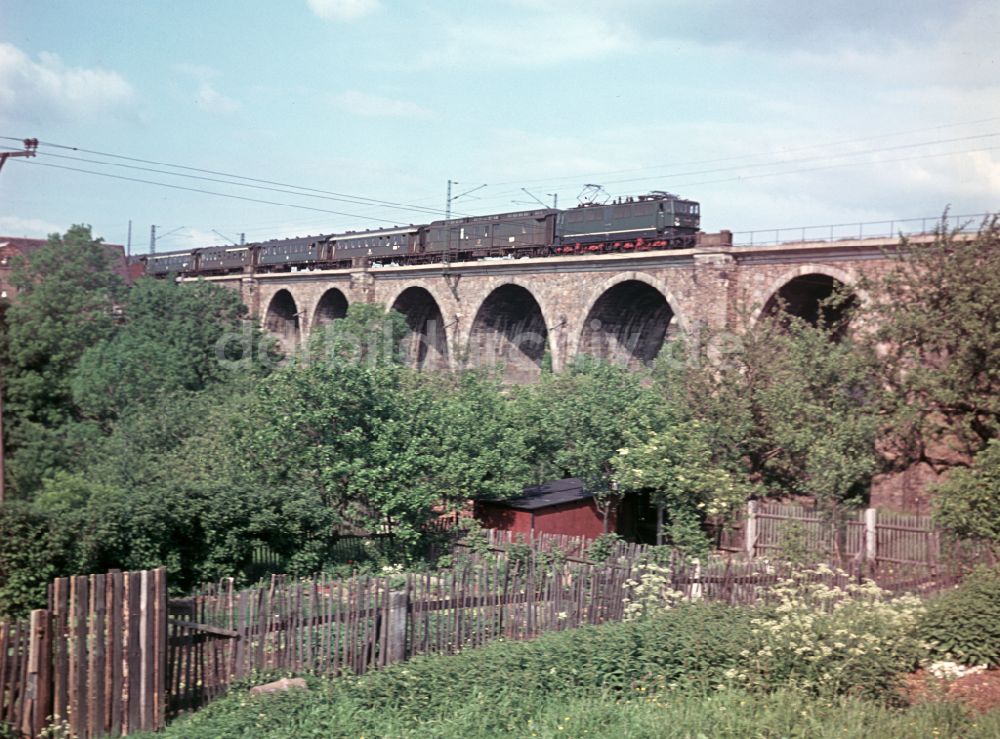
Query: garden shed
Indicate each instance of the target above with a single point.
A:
(555, 507)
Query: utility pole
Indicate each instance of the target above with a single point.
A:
(447, 214)
(451, 199)
(128, 244)
(30, 147)
(153, 237)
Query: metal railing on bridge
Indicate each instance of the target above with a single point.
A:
(868, 230)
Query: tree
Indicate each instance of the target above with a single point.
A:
(792, 408)
(968, 502)
(936, 322)
(67, 294)
(174, 337)
(367, 334)
(676, 466)
(575, 422)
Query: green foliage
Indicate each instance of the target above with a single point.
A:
(66, 303)
(575, 421)
(964, 624)
(28, 559)
(602, 547)
(368, 334)
(690, 647)
(676, 466)
(721, 713)
(968, 502)
(661, 677)
(175, 337)
(790, 407)
(936, 318)
(832, 639)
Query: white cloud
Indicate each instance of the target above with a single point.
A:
(376, 106)
(33, 90)
(207, 96)
(27, 227)
(342, 10)
(212, 101)
(529, 40)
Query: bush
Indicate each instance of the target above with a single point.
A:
(964, 625)
(30, 556)
(689, 646)
(840, 639)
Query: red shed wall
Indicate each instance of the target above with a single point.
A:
(579, 518)
(493, 516)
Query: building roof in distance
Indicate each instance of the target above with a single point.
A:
(552, 493)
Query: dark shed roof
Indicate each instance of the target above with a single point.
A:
(555, 492)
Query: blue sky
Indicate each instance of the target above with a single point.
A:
(774, 113)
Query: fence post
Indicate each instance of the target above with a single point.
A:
(396, 628)
(751, 529)
(871, 536)
(38, 688)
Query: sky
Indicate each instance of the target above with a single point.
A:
(317, 116)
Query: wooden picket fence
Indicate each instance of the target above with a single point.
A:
(93, 662)
(113, 656)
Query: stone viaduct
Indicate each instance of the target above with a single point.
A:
(515, 312)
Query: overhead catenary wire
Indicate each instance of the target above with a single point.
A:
(864, 152)
(357, 199)
(313, 194)
(718, 160)
(915, 157)
(297, 191)
(211, 192)
(413, 204)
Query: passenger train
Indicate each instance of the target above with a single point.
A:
(658, 220)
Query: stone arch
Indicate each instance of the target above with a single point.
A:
(802, 290)
(510, 329)
(426, 346)
(616, 332)
(627, 324)
(331, 306)
(282, 320)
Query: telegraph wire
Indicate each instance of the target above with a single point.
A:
(750, 156)
(212, 192)
(357, 199)
(423, 211)
(802, 160)
(740, 178)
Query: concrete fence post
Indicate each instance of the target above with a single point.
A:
(871, 535)
(396, 628)
(751, 529)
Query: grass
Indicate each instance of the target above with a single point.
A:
(725, 713)
(660, 677)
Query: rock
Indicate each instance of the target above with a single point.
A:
(280, 686)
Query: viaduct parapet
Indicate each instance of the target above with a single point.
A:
(614, 306)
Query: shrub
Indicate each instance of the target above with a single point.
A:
(840, 638)
(650, 592)
(964, 624)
